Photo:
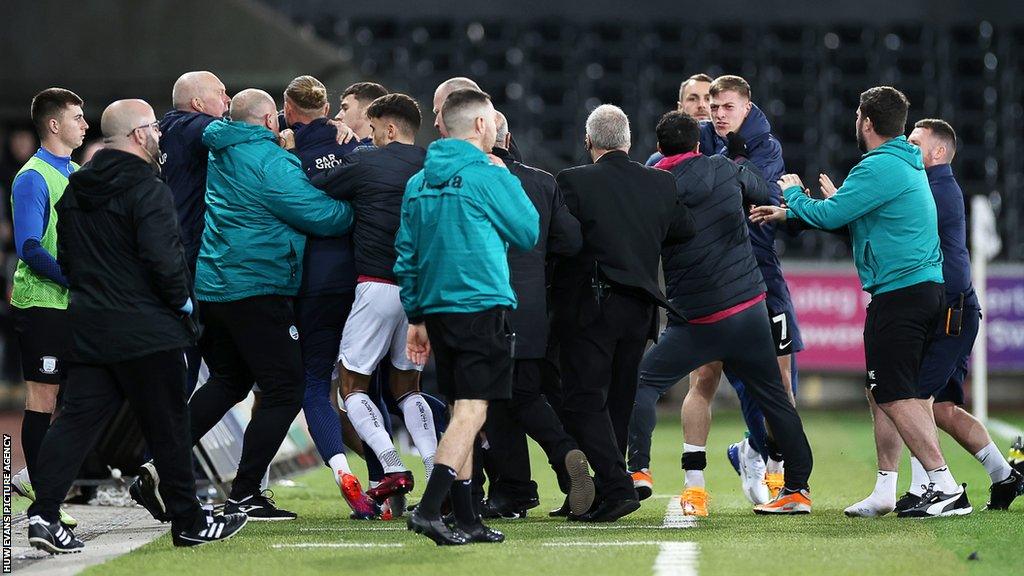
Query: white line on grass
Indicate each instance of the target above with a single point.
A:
(677, 558)
(1004, 429)
(603, 544)
(674, 517)
(336, 545)
(615, 527)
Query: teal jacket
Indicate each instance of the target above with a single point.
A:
(459, 215)
(259, 208)
(890, 211)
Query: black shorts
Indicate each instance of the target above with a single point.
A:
(944, 368)
(44, 338)
(472, 352)
(899, 328)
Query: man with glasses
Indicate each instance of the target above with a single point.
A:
(129, 317)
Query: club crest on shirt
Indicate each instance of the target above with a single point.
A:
(293, 332)
(49, 365)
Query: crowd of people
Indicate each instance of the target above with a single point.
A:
(323, 262)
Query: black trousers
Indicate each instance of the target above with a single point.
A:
(254, 339)
(154, 386)
(528, 414)
(599, 360)
(744, 343)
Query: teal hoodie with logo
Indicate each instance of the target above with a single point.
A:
(259, 208)
(459, 216)
(890, 211)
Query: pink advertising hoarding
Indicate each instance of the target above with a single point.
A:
(830, 308)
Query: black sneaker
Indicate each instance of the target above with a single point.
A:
(216, 528)
(935, 504)
(1016, 456)
(481, 533)
(1001, 494)
(52, 537)
(258, 507)
(907, 501)
(146, 492)
(501, 507)
(581, 485)
(436, 530)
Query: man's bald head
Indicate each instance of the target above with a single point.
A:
(441, 94)
(130, 126)
(470, 116)
(252, 106)
(200, 91)
(123, 116)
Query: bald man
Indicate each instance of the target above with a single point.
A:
(444, 89)
(199, 98)
(260, 208)
(129, 312)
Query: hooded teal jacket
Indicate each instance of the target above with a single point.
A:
(459, 216)
(259, 208)
(889, 208)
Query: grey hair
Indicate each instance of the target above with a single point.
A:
(608, 128)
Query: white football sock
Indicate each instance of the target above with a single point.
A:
(943, 480)
(992, 459)
(775, 466)
(881, 501)
(265, 482)
(339, 464)
(918, 477)
(419, 421)
(369, 424)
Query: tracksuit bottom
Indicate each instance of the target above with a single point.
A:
(245, 341)
(154, 387)
(744, 343)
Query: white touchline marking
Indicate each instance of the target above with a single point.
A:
(603, 544)
(337, 545)
(674, 517)
(677, 558)
(1004, 429)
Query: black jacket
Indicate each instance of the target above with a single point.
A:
(559, 237)
(627, 212)
(373, 180)
(118, 243)
(716, 269)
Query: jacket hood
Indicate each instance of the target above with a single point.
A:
(756, 124)
(110, 173)
(446, 157)
(902, 149)
(221, 134)
(319, 132)
(180, 118)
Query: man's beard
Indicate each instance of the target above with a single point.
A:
(152, 148)
(861, 142)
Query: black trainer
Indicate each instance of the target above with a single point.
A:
(146, 492)
(52, 537)
(907, 501)
(481, 533)
(1001, 494)
(215, 528)
(436, 530)
(501, 507)
(562, 511)
(259, 506)
(935, 504)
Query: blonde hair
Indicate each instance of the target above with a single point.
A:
(307, 93)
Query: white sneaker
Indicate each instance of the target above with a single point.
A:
(870, 507)
(752, 474)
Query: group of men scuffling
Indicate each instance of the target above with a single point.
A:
(293, 253)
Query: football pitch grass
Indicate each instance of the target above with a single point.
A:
(731, 541)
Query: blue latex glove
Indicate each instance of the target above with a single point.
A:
(186, 308)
